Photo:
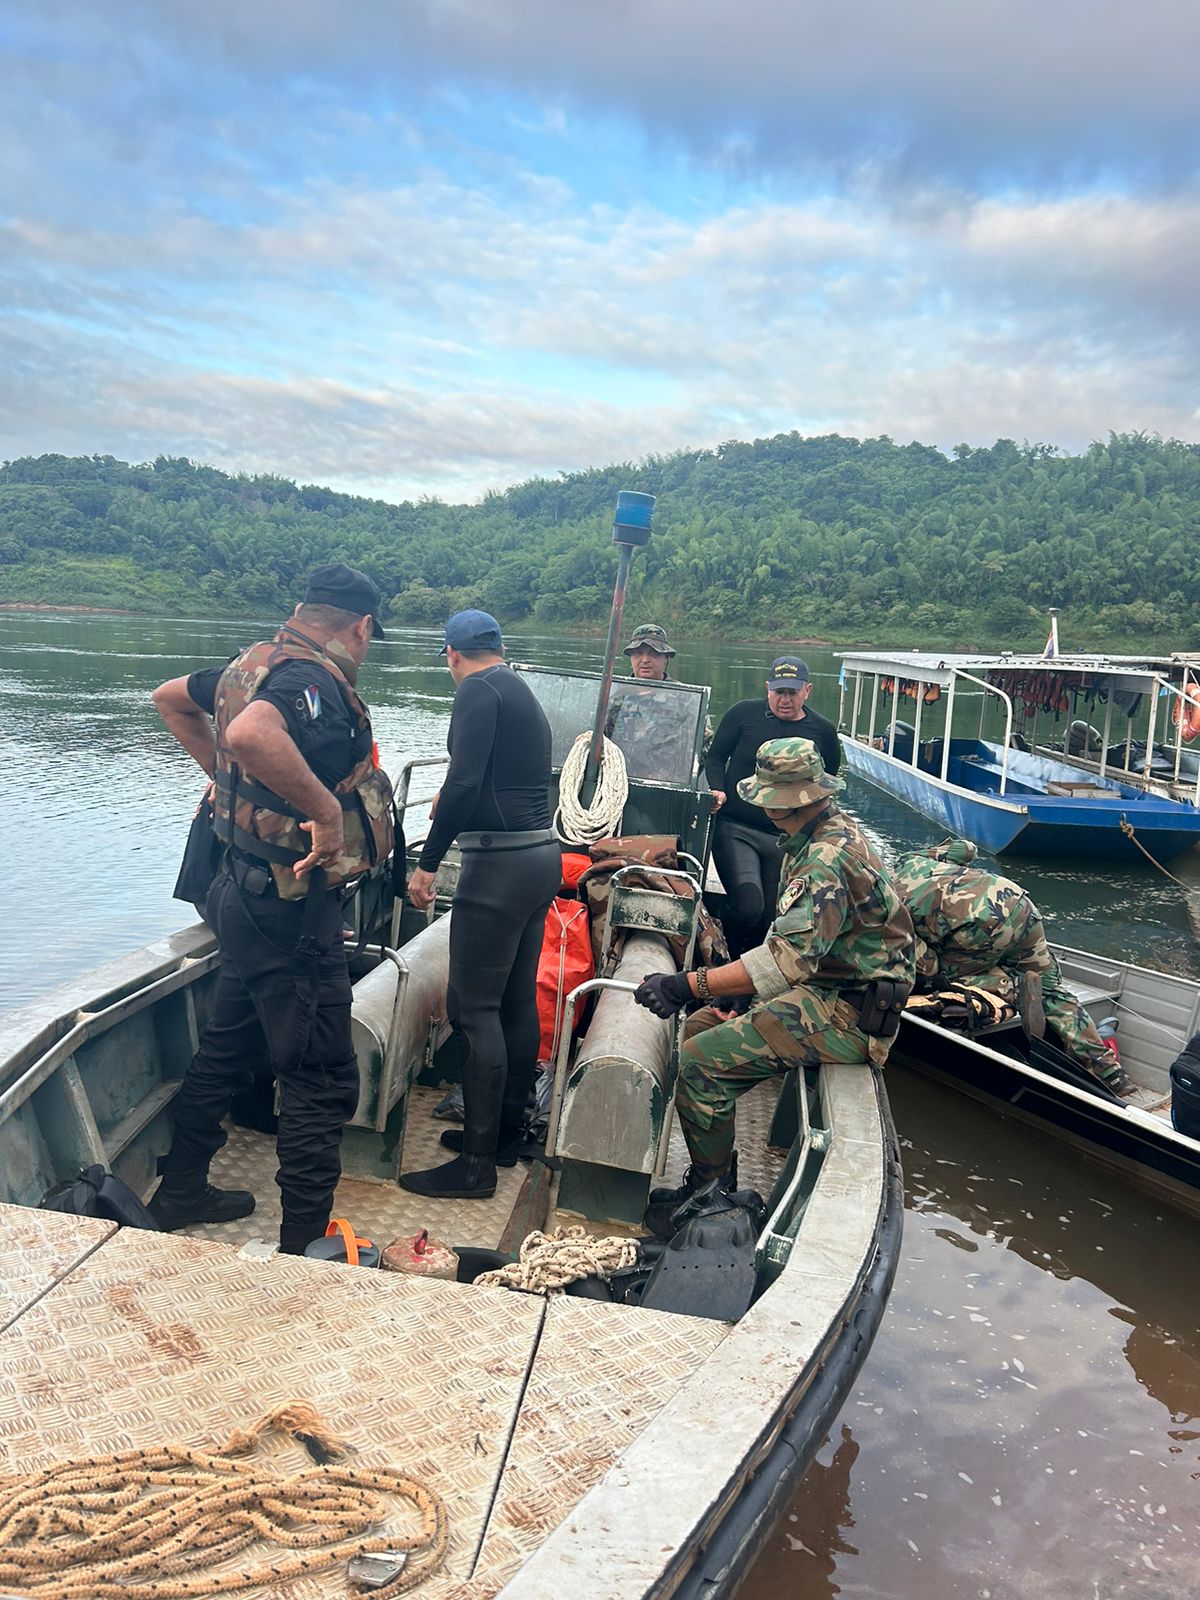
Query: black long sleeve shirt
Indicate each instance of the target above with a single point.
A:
(499, 777)
(731, 755)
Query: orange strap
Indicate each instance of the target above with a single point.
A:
(352, 1242)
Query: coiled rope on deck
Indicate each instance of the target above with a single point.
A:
(549, 1261)
(97, 1527)
(576, 823)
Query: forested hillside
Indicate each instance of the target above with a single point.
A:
(787, 537)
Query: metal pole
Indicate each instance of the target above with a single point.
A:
(596, 749)
(631, 528)
(917, 725)
(1107, 734)
(948, 733)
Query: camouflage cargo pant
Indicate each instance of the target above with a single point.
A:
(1018, 945)
(721, 1060)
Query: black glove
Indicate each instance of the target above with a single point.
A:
(664, 993)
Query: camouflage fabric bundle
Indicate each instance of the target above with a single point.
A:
(648, 851)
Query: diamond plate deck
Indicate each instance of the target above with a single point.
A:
(758, 1165)
(380, 1211)
(37, 1249)
(160, 1337)
(601, 1372)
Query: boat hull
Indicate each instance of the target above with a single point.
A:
(1036, 824)
(1141, 1148)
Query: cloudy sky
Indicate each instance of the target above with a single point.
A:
(438, 246)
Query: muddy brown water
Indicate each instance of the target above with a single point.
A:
(1028, 1421)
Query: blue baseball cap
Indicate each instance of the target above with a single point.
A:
(471, 630)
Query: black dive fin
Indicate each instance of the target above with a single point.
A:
(707, 1270)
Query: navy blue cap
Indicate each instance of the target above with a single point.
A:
(788, 672)
(471, 630)
(348, 589)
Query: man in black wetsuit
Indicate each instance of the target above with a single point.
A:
(302, 810)
(745, 842)
(495, 802)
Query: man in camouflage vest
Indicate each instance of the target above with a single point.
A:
(303, 810)
(977, 927)
(828, 983)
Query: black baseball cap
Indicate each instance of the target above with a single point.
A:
(788, 672)
(348, 589)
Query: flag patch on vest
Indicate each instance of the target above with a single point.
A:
(310, 701)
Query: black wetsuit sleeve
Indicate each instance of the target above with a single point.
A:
(471, 739)
(724, 743)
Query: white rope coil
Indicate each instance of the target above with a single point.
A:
(549, 1261)
(576, 823)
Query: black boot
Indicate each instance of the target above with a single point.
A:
(180, 1208)
(465, 1178)
(512, 1145)
(693, 1179)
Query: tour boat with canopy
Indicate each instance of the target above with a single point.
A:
(1036, 776)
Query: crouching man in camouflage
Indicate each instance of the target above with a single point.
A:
(829, 982)
(977, 927)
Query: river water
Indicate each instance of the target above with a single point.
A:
(1028, 1422)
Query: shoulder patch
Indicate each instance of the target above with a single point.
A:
(791, 893)
(309, 703)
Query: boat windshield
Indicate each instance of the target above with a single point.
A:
(657, 726)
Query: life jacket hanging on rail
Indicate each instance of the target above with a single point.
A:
(248, 814)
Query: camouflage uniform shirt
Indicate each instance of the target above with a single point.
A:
(959, 910)
(839, 922)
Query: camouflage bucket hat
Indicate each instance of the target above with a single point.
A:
(649, 637)
(788, 773)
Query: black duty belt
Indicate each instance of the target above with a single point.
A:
(507, 841)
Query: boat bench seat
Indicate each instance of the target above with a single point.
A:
(972, 773)
(398, 1020)
(1090, 994)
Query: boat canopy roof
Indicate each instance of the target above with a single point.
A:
(1135, 673)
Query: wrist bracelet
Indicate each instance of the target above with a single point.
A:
(702, 989)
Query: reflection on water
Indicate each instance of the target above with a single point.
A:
(1027, 1423)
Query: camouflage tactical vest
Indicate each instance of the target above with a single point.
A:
(262, 824)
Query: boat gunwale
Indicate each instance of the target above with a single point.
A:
(766, 1337)
(1134, 1115)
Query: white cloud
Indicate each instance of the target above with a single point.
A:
(248, 238)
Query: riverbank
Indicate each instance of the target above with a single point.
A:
(48, 605)
(83, 595)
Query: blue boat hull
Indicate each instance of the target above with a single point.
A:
(1032, 823)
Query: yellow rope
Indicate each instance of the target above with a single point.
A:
(549, 1261)
(1191, 898)
(1126, 828)
(95, 1528)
